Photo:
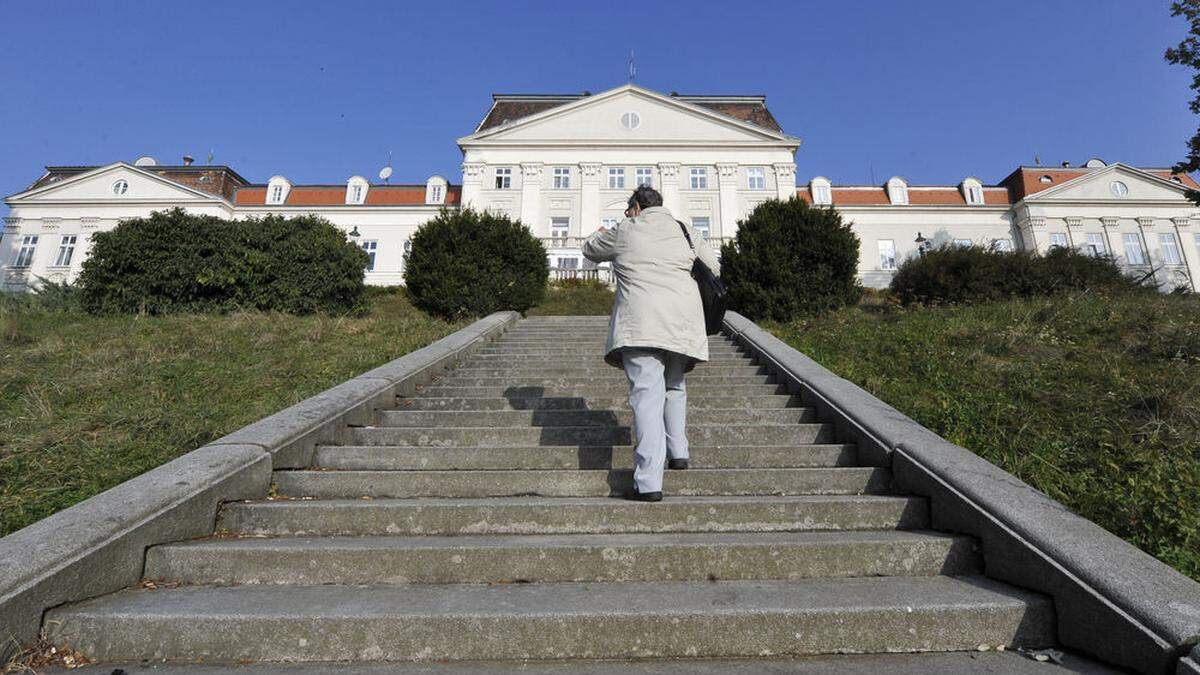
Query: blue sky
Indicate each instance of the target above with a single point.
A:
(319, 91)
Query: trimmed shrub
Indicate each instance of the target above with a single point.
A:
(173, 261)
(953, 274)
(472, 263)
(789, 259)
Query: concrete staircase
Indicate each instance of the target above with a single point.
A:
(477, 520)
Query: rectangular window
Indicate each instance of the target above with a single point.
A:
(503, 177)
(616, 178)
(821, 194)
(1095, 244)
(559, 227)
(699, 178)
(276, 194)
(1133, 249)
(1002, 245)
(701, 225)
(1058, 240)
(645, 176)
(975, 194)
(370, 246)
(66, 249)
(562, 177)
(566, 263)
(887, 254)
(25, 253)
(962, 243)
(1170, 248)
(756, 178)
(609, 223)
(1198, 242)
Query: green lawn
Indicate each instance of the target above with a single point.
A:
(573, 297)
(1095, 401)
(87, 402)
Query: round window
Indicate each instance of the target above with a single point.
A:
(1118, 188)
(120, 187)
(631, 120)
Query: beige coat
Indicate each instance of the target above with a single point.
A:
(657, 303)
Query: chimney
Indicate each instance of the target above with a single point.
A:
(1066, 165)
(188, 159)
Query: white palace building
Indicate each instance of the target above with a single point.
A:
(565, 164)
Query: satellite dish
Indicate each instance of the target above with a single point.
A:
(146, 160)
(385, 173)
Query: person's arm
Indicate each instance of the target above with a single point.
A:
(706, 254)
(602, 245)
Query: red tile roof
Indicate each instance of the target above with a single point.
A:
(917, 196)
(335, 195)
(1027, 180)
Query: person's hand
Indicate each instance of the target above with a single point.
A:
(601, 230)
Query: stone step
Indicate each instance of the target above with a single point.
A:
(588, 360)
(700, 434)
(600, 390)
(695, 402)
(473, 484)
(561, 558)
(565, 515)
(572, 418)
(563, 351)
(594, 369)
(553, 621)
(610, 377)
(398, 458)
(585, 343)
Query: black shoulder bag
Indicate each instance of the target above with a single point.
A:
(713, 294)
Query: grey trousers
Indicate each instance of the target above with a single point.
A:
(659, 402)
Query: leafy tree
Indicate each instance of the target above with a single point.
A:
(1187, 53)
(471, 263)
(790, 259)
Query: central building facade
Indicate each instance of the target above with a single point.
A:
(565, 165)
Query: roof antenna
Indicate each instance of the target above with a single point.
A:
(386, 172)
(210, 156)
(1037, 160)
(632, 67)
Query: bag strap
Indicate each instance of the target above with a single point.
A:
(686, 235)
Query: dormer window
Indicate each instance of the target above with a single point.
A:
(821, 191)
(356, 190)
(897, 190)
(435, 190)
(277, 190)
(1045, 179)
(972, 191)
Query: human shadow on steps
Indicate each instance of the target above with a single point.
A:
(571, 421)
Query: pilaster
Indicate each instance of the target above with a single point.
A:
(1187, 247)
(1110, 230)
(1033, 225)
(669, 177)
(785, 180)
(472, 183)
(531, 199)
(589, 200)
(727, 177)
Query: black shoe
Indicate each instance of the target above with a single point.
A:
(636, 496)
(677, 464)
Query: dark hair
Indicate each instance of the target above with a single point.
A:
(645, 197)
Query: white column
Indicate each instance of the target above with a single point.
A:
(472, 184)
(669, 177)
(785, 180)
(1074, 223)
(1032, 226)
(589, 199)
(1111, 226)
(531, 199)
(1187, 248)
(727, 175)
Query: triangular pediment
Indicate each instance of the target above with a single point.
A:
(1114, 183)
(98, 185)
(600, 119)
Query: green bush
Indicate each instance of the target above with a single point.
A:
(173, 261)
(790, 259)
(953, 274)
(472, 263)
